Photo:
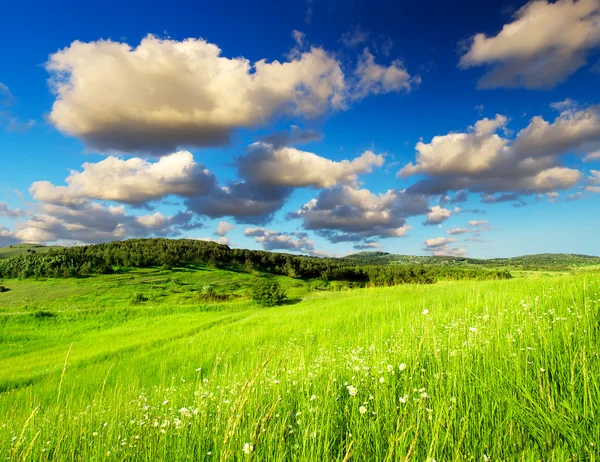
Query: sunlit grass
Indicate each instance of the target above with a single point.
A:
(497, 370)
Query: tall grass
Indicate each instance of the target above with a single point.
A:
(498, 370)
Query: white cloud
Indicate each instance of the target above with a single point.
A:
(592, 156)
(483, 161)
(440, 246)
(275, 240)
(93, 222)
(456, 231)
(367, 246)
(165, 94)
(132, 181)
(573, 130)
(223, 228)
(544, 44)
(477, 223)
(594, 186)
(6, 211)
(460, 153)
(266, 165)
(7, 237)
(437, 215)
(373, 78)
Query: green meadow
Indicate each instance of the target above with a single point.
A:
(500, 370)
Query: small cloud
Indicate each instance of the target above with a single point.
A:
(354, 37)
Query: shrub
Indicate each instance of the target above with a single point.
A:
(138, 298)
(43, 314)
(208, 294)
(4, 289)
(268, 293)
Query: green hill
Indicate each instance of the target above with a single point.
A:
(24, 249)
(545, 261)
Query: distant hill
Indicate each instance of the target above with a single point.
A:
(540, 261)
(24, 249)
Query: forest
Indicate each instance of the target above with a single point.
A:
(117, 256)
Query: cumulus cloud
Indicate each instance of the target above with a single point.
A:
(275, 240)
(437, 215)
(477, 223)
(245, 202)
(545, 43)
(456, 231)
(344, 213)
(7, 237)
(6, 211)
(164, 94)
(93, 222)
(483, 161)
(594, 181)
(367, 246)
(373, 78)
(441, 246)
(592, 156)
(266, 165)
(223, 228)
(132, 181)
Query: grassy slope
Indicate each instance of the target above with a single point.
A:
(546, 262)
(21, 249)
(502, 368)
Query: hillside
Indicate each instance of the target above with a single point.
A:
(24, 249)
(546, 261)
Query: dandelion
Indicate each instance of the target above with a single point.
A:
(95, 434)
(403, 399)
(390, 368)
(353, 391)
(425, 312)
(381, 379)
(362, 410)
(248, 448)
(313, 397)
(402, 367)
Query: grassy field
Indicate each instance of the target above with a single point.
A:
(494, 370)
(23, 249)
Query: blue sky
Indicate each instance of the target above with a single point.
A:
(321, 127)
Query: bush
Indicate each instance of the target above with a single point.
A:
(208, 294)
(268, 293)
(43, 314)
(4, 289)
(138, 298)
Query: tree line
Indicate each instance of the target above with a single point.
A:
(143, 253)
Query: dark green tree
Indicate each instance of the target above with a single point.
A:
(267, 292)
